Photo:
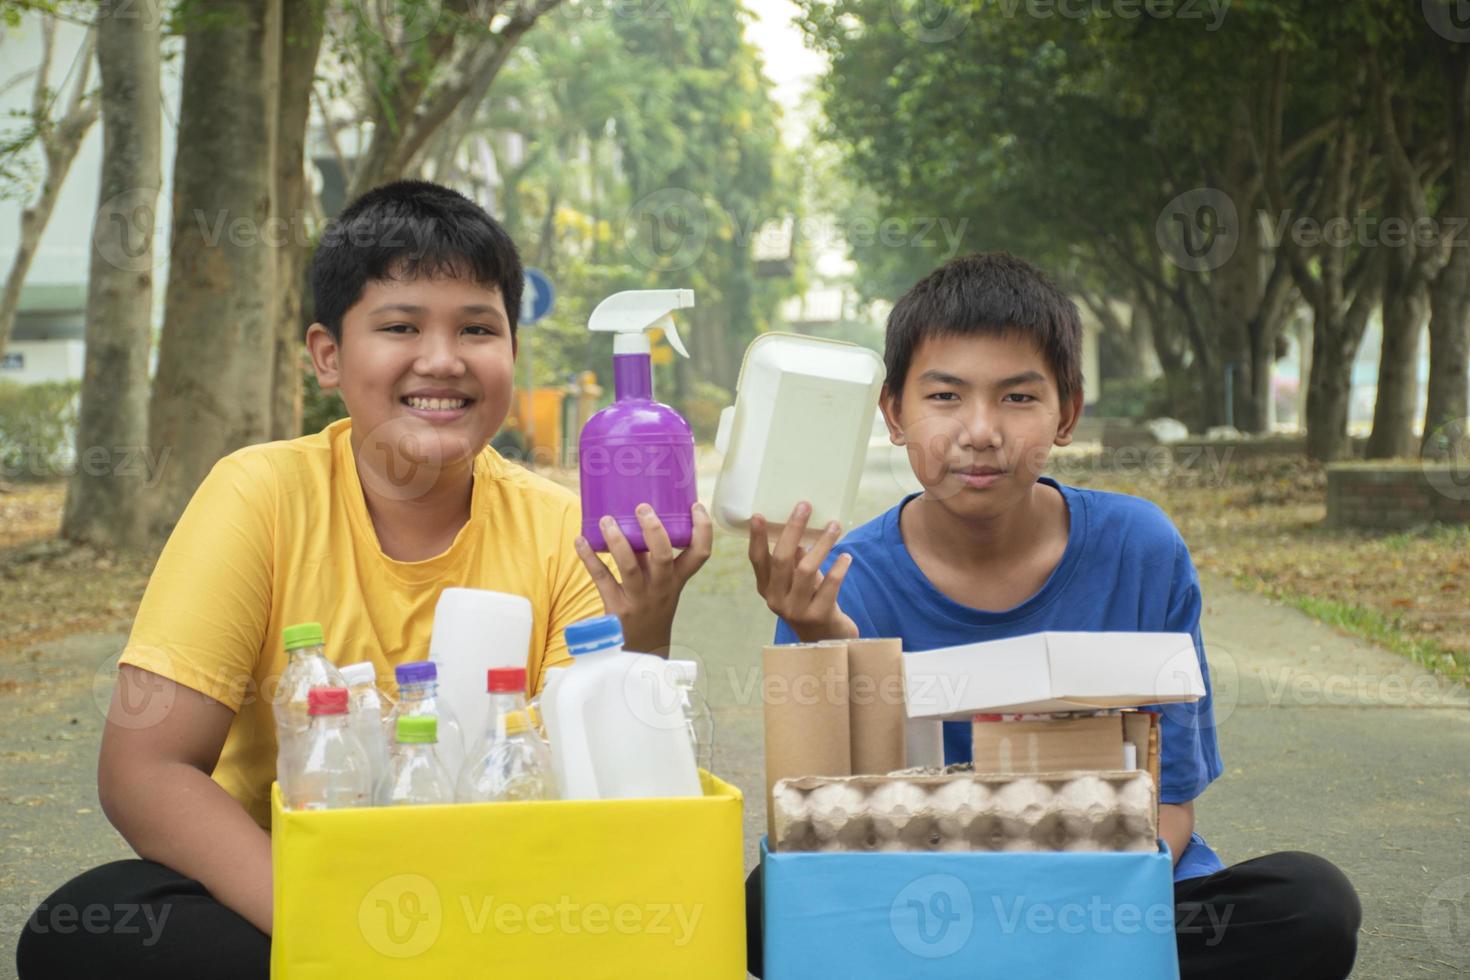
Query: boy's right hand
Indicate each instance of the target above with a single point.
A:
(789, 577)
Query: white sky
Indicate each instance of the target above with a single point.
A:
(789, 63)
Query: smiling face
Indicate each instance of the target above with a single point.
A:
(425, 366)
(978, 415)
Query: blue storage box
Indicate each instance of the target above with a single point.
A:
(969, 915)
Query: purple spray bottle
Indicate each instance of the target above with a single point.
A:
(637, 450)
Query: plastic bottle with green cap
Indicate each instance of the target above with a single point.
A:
(416, 776)
(307, 667)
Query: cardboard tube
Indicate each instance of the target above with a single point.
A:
(807, 732)
(876, 714)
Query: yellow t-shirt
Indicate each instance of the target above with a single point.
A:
(280, 534)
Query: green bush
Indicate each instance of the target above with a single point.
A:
(319, 408)
(37, 429)
(702, 409)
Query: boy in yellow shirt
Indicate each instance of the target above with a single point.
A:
(360, 526)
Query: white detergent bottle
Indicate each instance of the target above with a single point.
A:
(615, 721)
(476, 630)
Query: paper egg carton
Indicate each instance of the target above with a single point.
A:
(933, 811)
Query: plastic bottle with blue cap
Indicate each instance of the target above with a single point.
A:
(615, 721)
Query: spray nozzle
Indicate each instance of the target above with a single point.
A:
(631, 313)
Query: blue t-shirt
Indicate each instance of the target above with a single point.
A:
(1125, 567)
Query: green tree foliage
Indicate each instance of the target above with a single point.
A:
(647, 156)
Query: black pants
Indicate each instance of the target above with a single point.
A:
(1293, 916)
(139, 919)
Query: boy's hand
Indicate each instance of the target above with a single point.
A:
(789, 577)
(648, 596)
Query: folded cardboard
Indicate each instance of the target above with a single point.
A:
(1058, 811)
(958, 916)
(1051, 672)
(557, 888)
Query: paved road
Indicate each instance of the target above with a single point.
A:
(1330, 745)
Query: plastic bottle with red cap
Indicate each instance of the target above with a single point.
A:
(510, 761)
(332, 770)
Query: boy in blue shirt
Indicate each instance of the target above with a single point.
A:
(983, 361)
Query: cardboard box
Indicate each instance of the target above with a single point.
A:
(942, 915)
(563, 888)
(1053, 671)
(1066, 744)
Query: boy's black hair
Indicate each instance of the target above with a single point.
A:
(987, 294)
(408, 229)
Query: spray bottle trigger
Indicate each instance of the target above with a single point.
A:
(666, 324)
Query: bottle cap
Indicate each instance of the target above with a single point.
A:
(418, 729)
(302, 635)
(418, 672)
(326, 701)
(591, 635)
(506, 680)
(363, 673)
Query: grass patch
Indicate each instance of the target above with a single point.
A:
(1370, 625)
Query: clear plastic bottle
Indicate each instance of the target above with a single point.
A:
(307, 667)
(332, 771)
(515, 765)
(416, 775)
(369, 710)
(701, 720)
(507, 689)
(418, 695)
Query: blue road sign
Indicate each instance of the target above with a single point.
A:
(538, 297)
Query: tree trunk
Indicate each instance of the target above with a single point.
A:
(60, 139)
(1404, 306)
(1338, 335)
(103, 496)
(1449, 318)
(1449, 347)
(1327, 394)
(1236, 287)
(212, 391)
(301, 37)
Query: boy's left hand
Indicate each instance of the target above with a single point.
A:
(647, 597)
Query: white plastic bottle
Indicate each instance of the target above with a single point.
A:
(416, 776)
(515, 765)
(418, 694)
(544, 716)
(474, 631)
(616, 722)
(368, 708)
(699, 718)
(333, 770)
(307, 667)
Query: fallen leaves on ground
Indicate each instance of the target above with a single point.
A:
(1263, 522)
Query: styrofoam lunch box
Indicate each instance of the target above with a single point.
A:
(798, 430)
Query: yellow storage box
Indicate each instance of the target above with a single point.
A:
(576, 888)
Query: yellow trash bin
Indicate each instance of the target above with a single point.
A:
(561, 888)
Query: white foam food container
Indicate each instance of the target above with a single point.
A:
(798, 430)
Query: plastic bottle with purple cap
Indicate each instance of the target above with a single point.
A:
(637, 450)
